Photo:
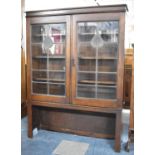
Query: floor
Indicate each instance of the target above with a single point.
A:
(45, 142)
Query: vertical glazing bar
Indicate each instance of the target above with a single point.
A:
(96, 72)
(77, 64)
(31, 58)
(96, 75)
(47, 73)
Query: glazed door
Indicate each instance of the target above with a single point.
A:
(97, 60)
(49, 58)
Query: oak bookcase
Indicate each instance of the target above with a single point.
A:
(75, 64)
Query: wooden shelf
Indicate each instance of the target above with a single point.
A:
(83, 33)
(36, 43)
(40, 57)
(56, 71)
(39, 70)
(56, 83)
(49, 79)
(108, 58)
(49, 57)
(40, 43)
(107, 86)
(98, 82)
(106, 72)
(98, 72)
(51, 35)
(92, 72)
(45, 82)
(105, 43)
(89, 58)
(46, 70)
(87, 90)
(86, 85)
(99, 86)
(94, 58)
(40, 82)
(56, 80)
(40, 79)
(56, 57)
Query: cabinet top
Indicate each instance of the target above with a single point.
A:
(78, 10)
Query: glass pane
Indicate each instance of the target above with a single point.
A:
(57, 89)
(106, 79)
(55, 65)
(83, 47)
(97, 44)
(39, 76)
(106, 93)
(86, 78)
(39, 88)
(57, 77)
(106, 65)
(108, 50)
(48, 51)
(86, 91)
(87, 65)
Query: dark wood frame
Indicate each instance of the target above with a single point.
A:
(23, 84)
(70, 16)
(128, 77)
(37, 20)
(79, 108)
(79, 10)
(120, 68)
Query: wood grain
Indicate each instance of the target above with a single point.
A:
(70, 113)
